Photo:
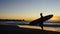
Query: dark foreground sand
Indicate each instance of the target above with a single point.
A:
(9, 29)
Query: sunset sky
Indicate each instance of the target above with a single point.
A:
(29, 9)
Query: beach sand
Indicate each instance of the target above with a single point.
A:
(9, 29)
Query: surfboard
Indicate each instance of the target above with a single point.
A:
(39, 20)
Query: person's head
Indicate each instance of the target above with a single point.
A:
(40, 13)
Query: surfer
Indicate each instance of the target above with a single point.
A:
(41, 23)
(40, 20)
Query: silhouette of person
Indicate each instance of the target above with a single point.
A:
(41, 23)
(40, 20)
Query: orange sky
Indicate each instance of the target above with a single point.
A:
(55, 18)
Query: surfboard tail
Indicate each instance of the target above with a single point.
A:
(35, 22)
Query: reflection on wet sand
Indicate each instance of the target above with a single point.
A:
(37, 27)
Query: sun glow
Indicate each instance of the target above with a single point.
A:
(55, 18)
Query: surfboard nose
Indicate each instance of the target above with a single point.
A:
(50, 15)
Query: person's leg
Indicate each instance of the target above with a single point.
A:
(41, 26)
